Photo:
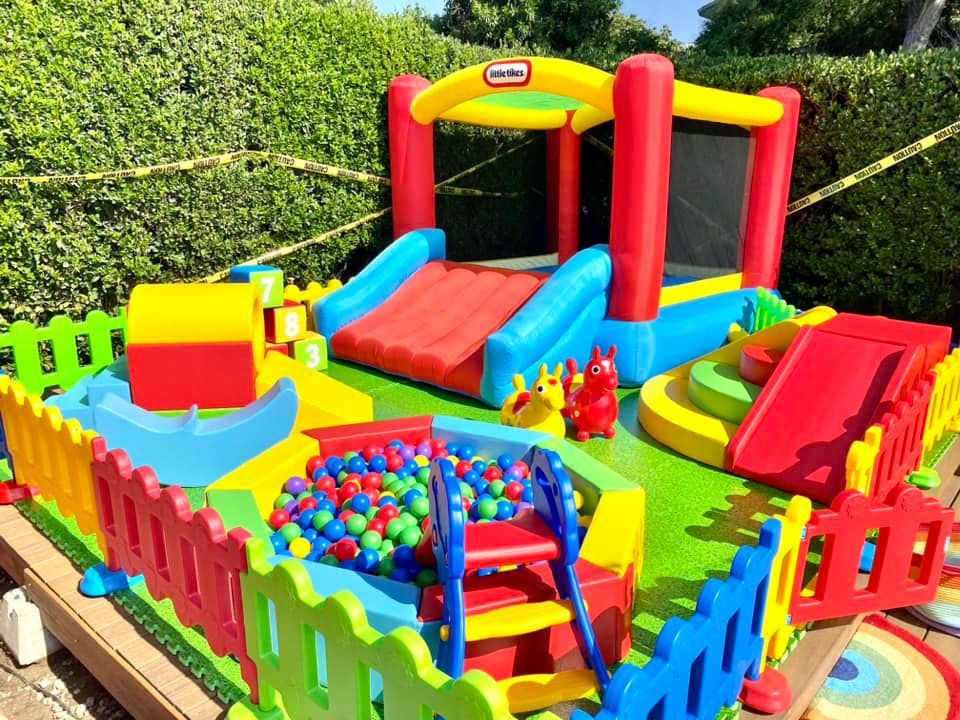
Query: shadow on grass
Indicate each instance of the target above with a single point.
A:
(740, 523)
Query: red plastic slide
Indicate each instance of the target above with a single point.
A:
(834, 381)
(434, 327)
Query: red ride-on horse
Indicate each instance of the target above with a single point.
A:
(593, 406)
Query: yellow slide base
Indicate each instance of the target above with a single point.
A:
(516, 620)
(614, 540)
(527, 693)
(323, 400)
(667, 413)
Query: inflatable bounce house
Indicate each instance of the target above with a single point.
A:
(489, 322)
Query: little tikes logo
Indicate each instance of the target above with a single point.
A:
(509, 73)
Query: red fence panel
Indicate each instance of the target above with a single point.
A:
(901, 446)
(897, 578)
(185, 556)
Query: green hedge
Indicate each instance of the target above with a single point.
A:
(103, 84)
(891, 244)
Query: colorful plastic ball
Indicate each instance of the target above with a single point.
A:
(512, 475)
(496, 488)
(466, 451)
(479, 466)
(327, 505)
(453, 448)
(321, 544)
(314, 463)
(334, 465)
(310, 534)
(402, 472)
(504, 509)
(410, 495)
(345, 492)
(357, 464)
(279, 518)
(421, 461)
(402, 575)
(408, 518)
(395, 527)
(344, 549)
(334, 530)
(426, 577)
(302, 495)
(371, 514)
(370, 451)
(291, 531)
(420, 507)
(278, 542)
(295, 485)
(321, 519)
(408, 452)
(378, 463)
(360, 503)
(425, 449)
(472, 477)
(423, 475)
(522, 467)
(329, 559)
(326, 485)
(462, 468)
(315, 556)
(320, 472)
(377, 525)
(394, 462)
(300, 548)
(346, 515)
(386, 547)
(372, 481)
(292, 507)
(403, 556)
(368, 560)
(306, 518)
(308, 503)
(411, 536)
(513, 491)
(371, 539)
(356, 524)
(505, 461)
(487, 508)
(386, 567)
(341, 476)
(282, 499)
(349, 564)
(527, 495)
(389, 511)
(493, 473)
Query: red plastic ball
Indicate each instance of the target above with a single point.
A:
(347, 491)
(388, 512)
(439, 454)
(372, 480)
(308, 503)
(346, 515)
(466, 505)
(513, 490)
(493, 473)
(279, 518)
(373, 495)
(345, 549)
(522, 467)
(463, 467)
(423, 553)
(394, 462)
(326, 484)
(370, 451)
(355, 478)
(437, 445)
(378, 525)
(313, 463)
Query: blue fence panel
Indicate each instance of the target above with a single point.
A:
(699, 665)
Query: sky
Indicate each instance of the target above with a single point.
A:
(679, 15)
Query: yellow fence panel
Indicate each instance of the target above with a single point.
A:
(944, 412)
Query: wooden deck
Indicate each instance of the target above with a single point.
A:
(152, 685)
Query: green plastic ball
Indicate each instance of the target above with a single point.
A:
(408, 518)
(496, 488)
(423, 475)
(371, 513)
(329, 560)
(349, 454)
(356, 524)
(420, 507)
(411, 536)
(371, 539)
(386, 566)
(386, 547)
(321, 519)
(282, 500)
(395, 527)
(291, 531)
(487, 509)
(426, 578)
(304, 494)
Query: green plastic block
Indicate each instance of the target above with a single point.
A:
(718, 389)
(311, 350)
(267, 278)
(238, 509)
(925, 478)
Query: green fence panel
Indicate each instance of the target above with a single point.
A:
(283, 644)
(66, 355)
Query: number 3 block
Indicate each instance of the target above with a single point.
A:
(311, 350)
(285, 324)
(267, 278)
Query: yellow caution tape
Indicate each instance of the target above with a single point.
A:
(229, 158)
(872, 169)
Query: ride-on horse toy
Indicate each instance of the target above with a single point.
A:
(539, 408)
(593, 405)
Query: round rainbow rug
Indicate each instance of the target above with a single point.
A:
(888, 674)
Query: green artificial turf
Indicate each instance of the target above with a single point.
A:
(697, 516)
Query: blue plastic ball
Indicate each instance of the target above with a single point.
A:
(314, 556)
(368, 560)
(310, 534)
(328, 505)
(378, 463)
(479, 466)
(360, 503)
(411, 467)
(320, 472)
(278, 541)
(402, 575)
(395, 444)
(306, 518)
(357, 464)
(402, 473)
(527, 495)
(505, 461)
(453, 449)
(504, 510)
(387, 500)
(334, 464)
(403, 556)
(471, 477)
(481, 487)
(466, 452)
(321, 545)
(334, 530)
(410, 495)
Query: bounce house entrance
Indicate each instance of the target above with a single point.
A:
(434, 327)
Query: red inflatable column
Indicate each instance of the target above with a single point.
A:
(643, 122)
(766, 211)
(411, 158)
(568, 191)
(552, 188)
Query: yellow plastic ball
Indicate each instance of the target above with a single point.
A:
(577, 499)
(300, 547)
(453, 459)
(421, 460)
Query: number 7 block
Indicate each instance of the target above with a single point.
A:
(268, 279)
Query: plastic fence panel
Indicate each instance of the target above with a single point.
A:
(284, 643)
(185, 556)
(901, 445)
(944, 412)
(777, 629)
(28, 344)
(771, 309)
(862, 460)
(51, 454)
(897, 578)
(699, 665)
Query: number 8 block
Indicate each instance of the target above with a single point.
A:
(285, 324)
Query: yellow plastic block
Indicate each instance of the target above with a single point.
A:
(311, 293)
(266, 472)
(614, 540)
(776, 630)
(52, 454)
(676, 294)
(200, 313)
(667, 413)
(323, 400)
(526, 693)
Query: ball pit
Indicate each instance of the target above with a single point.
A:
(368, 510)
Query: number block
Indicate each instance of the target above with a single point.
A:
(285, 324)
(267, 278)
(311, 350)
